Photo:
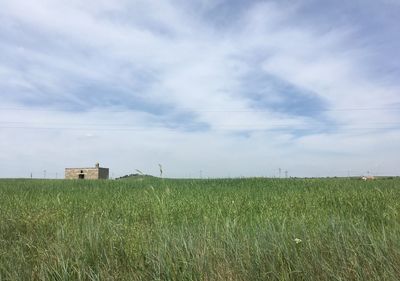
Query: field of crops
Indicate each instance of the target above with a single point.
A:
(233, 229)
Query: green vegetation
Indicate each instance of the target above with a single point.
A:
(233, 229)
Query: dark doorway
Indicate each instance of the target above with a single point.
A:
(81, 176)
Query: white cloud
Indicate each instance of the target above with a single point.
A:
(193, 68)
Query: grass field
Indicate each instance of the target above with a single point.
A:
(232, 229)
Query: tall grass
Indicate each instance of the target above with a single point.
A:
(233, 229)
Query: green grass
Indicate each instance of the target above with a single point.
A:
(233, 229)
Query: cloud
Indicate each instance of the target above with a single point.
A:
(206, 85)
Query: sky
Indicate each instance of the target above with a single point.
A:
(222, 88)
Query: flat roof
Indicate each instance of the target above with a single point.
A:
(86, 168)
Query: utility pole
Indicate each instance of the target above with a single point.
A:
(161, 170)
(44, 174)
(286, 174)
(201, 174)
(280, 171)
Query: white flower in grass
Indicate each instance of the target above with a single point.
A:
(297, 240)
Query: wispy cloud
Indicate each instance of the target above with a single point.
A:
(198, 84)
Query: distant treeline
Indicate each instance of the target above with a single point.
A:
(136, 175)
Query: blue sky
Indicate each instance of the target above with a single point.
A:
(231, 88)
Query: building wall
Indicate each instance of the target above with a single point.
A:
(88, 173)
(103, 173)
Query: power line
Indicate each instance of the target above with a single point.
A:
(123, 126)
(194, 128)
(276, 124)
(198, 110)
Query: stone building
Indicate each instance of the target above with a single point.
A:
(93, 173)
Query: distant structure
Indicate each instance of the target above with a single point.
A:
(94, 173)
